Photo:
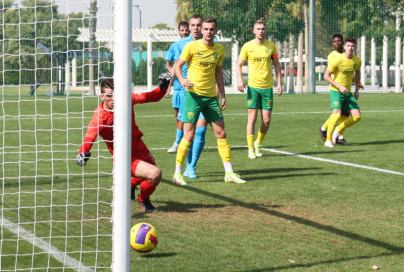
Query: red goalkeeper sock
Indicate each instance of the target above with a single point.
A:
(146, 189)
(134, 182)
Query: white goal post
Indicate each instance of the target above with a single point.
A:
(54, 214)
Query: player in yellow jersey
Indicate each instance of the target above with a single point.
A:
(338, 44)
(345, 68)
(205, 59)
(261, 55)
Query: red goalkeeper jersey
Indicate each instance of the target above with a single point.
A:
(103, 121)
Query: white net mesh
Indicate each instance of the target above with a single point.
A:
(55, 215)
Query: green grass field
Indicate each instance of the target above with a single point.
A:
(305, 207)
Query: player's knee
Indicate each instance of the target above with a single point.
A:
(266, 122)
(356, 119)
(220, 134)
(155, 176)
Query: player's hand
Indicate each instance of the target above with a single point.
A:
(280, 91)
(224, 103)
(356, 95)
(361, 86)
(241, 86)
(187, 84)
(164, 81)
(82, 158)
(168, 91)
(343, 90)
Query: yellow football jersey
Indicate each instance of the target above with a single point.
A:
(332, 56)
(202, 61)
(344, 70)
(259, 58)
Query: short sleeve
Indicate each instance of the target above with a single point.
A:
(186, 53)
(220, 62)
(359, 65)
(170, 53)
(177, 52)
(244, 52)
(333, 65)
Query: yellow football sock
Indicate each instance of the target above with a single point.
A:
(341, 120)
(352, 120)
(332, 123)
(325, 126)
(182, 151)
(250, 142)
(224, 150)
(260, 136)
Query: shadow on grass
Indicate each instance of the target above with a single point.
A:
(380, 142)
(268, 171)
(159, 255)
(340, 232)
(172, 206)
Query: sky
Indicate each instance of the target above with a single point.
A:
(153, 11)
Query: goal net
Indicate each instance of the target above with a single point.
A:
(56, 215)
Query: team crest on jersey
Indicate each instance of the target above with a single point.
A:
(354, 66)
(190, 115)
(249, 101)
(215, 55)
(267, 50)
(269, 103)
(336, 103)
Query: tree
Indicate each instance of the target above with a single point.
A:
(161, 26)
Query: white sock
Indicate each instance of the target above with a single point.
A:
(228, 167)
(322, 129)
(340, 137)
(178, 168)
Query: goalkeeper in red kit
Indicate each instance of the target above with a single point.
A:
(143, 167)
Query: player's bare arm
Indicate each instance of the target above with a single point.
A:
(239, 69)
(186, 83)
(327, 77)
(358, 85)
(277, 67)
(168, 66)
(220, 85)
(172, 79)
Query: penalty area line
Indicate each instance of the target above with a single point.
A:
(23, 234)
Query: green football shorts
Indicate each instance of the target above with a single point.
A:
(260, 98)
(344, 102)
(195, 104)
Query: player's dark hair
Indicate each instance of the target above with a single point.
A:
(182, 24)
(338, 36)
(210, 20)
(350, 39)
(107, 83)
(196, 17)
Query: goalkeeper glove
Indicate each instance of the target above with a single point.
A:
(82, 158)
(164, 81)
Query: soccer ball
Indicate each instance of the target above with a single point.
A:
(143, 237)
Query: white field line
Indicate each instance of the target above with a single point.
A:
(70, 115)
(38, 242)
(336, 162)
(313, 158)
